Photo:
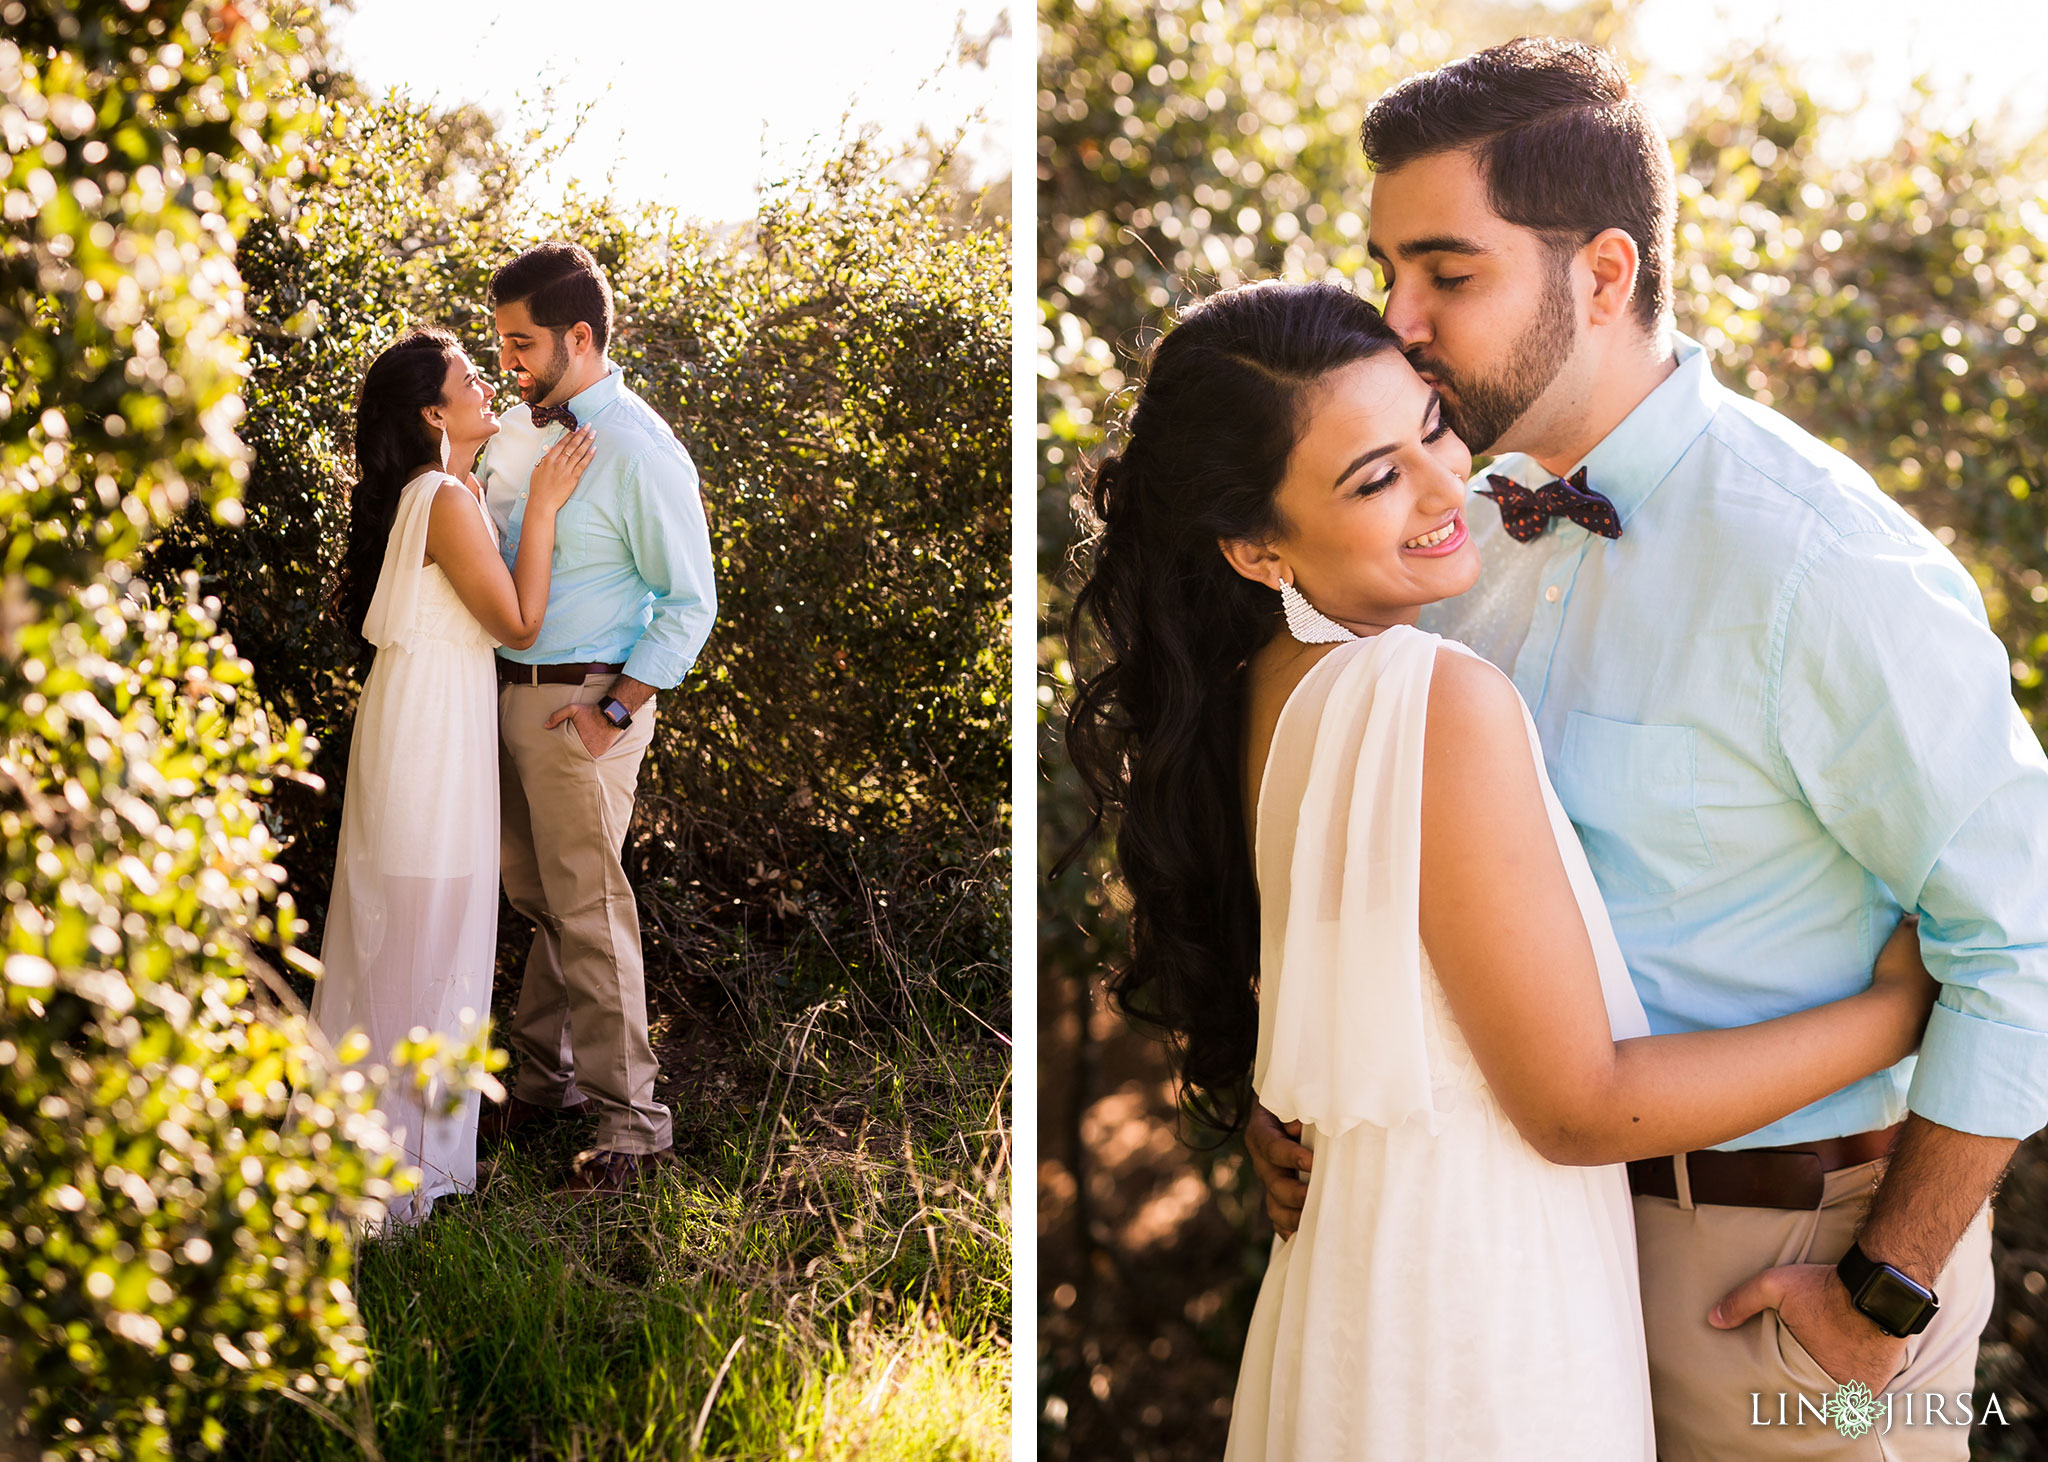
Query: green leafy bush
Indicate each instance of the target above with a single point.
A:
(181, 1163)
(842, 374)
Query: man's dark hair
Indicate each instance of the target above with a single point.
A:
(561, 284)
(1560, 139)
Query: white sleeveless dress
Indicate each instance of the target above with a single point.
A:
(1450, 1294)
(412, 924)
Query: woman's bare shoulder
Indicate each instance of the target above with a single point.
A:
(452, 495)
(1472, 705)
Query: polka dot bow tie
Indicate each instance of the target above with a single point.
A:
(1526, 514)
(543, 415)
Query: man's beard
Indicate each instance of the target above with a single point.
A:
(1481, 410)
(544, 381)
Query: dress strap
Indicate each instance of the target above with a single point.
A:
(484, 508)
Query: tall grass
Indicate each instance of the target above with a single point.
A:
(822, 1272)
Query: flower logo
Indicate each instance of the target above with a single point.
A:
(1852, 1409)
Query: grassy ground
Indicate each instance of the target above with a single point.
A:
(823, 1272)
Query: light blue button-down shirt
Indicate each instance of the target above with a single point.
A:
(1777, 714)
(632, 579)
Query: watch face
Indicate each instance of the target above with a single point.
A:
(1894, 1301)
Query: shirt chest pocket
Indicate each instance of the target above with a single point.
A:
(582, 536)
(1632, 793)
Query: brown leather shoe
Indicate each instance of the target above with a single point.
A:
(509, 1116)
(604, 1171)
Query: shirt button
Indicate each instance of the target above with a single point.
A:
(1551, 593)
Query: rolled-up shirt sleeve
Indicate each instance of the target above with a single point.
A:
(1894, 712)
(661, 518)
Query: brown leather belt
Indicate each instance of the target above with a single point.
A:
(1761, 1177)
(511, 672)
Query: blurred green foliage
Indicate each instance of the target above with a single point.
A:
(181, 1163)
(1891, 305)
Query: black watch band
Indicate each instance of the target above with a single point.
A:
(1894, 1303)
(614, 710)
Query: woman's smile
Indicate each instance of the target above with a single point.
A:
(1441, 541)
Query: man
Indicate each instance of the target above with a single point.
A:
(630, 605)
(1776, 713)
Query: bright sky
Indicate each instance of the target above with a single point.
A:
(1982, 56)
(692, 102)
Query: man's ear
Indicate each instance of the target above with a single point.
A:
(583, 338)
(1256, 561)
(1611, 256)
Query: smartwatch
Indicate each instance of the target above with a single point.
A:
(614, 711)
(1894, 1303)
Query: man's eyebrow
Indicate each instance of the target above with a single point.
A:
(1437, 244)
(1429, 409)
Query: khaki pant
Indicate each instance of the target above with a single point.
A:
(581, 1025)
(1711, 1388)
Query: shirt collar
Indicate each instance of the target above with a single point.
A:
(1631, 461)
(596, 396)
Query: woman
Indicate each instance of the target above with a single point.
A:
(1351, 882)
(411, 936)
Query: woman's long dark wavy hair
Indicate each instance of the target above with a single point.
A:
(393, 442)
(1156, 727)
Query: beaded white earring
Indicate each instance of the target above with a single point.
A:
(1307, 623)
(446, 447)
